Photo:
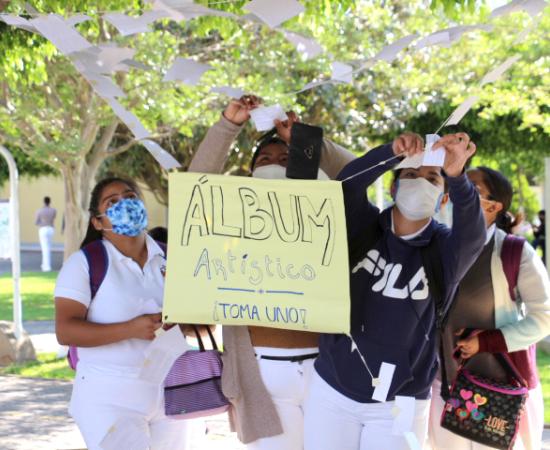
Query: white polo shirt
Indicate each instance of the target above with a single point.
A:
(126, 292)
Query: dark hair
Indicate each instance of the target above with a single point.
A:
(47, 201)
(265, 140)
(159, 234)
(397, 172)
(500, 190)
(91, 233)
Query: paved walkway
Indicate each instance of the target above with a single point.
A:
(33, 416)
(31, 257)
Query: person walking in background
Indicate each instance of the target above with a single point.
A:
(45, 218)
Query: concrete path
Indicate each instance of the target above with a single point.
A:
(31, 258)
(33, 416)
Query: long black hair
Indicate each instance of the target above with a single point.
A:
(91, 233)
(500, 190)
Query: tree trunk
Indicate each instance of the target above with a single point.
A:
(78, 179)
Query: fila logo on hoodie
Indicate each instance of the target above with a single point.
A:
(388, 273)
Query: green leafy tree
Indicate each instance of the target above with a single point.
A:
(50, 112)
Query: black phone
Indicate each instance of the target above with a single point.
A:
(304, 155)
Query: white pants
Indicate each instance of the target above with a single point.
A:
(46, 235)
(101, 401)
(334, 421)
(288, 384)
(530, 427)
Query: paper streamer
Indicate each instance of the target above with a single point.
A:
(165, 159)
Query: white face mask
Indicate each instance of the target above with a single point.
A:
(277, 172)
(418, 199)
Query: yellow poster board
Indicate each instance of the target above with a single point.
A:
(246, 251)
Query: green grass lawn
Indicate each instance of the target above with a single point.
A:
(47, 366)
(36, 296)
(543, 363)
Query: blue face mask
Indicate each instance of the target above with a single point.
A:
(128, 217)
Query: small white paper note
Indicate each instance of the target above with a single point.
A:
(313, 84)
(76, 19)
(389, 52)
(129, 119)
(412, 441)
(165, 159)
(404, 419)
(274, 13)
(342, 72)
(104, 86)
(433, 157)
(19, 22)
(385, 376)
(497, 72)
(413, 162)
(186, 70)
(264, 117)
(365, 65)
(461, 110)
(513, 6)
(229, 91)
(128, 25)
(127, 433)
(161, 354)
(437, 38)
(310, 48)
(534, 7)
(60, 34)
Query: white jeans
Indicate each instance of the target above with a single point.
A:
(100, 401)
(530, 427)
(288, 384)
(46, 235)
(334, 421)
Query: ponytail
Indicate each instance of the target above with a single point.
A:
(507, 221)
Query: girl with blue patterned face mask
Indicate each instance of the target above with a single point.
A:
(121, 211)
(111, 323)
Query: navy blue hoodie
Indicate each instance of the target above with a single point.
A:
(389, 289)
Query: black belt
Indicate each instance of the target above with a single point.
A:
(297, 358)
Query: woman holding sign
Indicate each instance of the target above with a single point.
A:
(371, 389)
(267, 371)
(505, 296)
(112, 319)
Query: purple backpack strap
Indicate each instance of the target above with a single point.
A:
(512, 247)
(163, 247)
(98, 263)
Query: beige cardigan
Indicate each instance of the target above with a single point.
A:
(252, 415)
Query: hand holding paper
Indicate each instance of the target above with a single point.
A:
(238, 111)
(458, 148)
(284, 128)
(408, 144)
(144, 326)
(265, 116)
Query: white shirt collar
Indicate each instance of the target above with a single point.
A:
(490, 233)
(408, 237)
(153, 249)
